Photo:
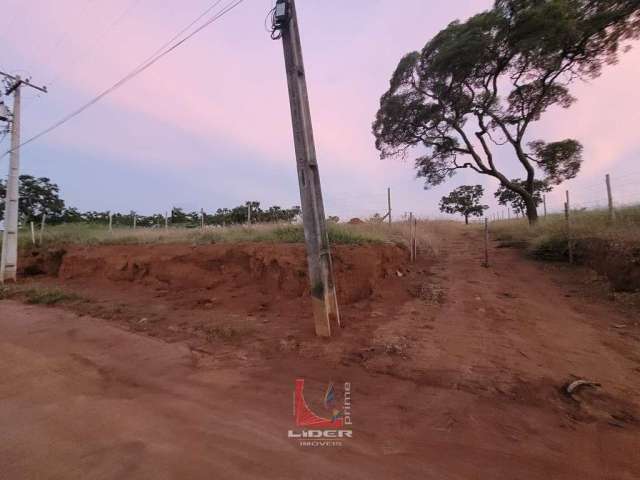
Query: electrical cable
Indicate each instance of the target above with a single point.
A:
(64, 36)
(138, 70)
(98, 40)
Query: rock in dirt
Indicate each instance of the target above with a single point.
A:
(576, 385)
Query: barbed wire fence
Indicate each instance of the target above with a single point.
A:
(599, 211)
(623, 192)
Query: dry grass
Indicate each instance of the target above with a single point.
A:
(548, 239)
(364, 233)
(36, 295)
(227, 332)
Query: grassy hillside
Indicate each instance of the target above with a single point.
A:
(86, 234)
(548, 239)
(612, 248)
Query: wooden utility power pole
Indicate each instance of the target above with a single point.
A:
(323, 291)
(9, 258)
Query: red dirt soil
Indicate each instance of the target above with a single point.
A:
(456, 370)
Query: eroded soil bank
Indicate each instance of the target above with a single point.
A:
(205, 293)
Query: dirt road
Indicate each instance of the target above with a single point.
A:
(461, 380)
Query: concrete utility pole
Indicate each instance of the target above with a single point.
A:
(9, 258)
(323, 291)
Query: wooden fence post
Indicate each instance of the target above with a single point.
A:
(33, 233)
(110, 222)
(544, 203)
(411, 236)
(486, 242)
(42, 223)
(389, 204)
(415, 239)
(612, 213)
(567, 214)
(166, 220)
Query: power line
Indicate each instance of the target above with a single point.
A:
(64, 36)
(99, 39)
(138, 70)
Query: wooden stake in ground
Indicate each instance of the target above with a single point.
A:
(202, 218)
(135, 220)
(110, 222)
(486, 242)
(415, 239)
(323, 291)
(166, 220)
(567, 216)
(411, 234)
(612, 213)
(544, 203)
(389, 204)
(33, 233)
(42, 224)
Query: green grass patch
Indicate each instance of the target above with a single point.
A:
(6, 292)
(48, 296)
(87, 234)
(227, 332)
(37, 295)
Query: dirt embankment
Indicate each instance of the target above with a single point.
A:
(279, 270)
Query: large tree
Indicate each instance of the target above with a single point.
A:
(464, 200)
(38, 196)
(485, 81)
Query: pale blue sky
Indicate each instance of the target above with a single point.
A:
(209, 125)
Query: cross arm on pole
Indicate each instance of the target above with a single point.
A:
(18, 81)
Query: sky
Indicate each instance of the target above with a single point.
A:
(209, 126)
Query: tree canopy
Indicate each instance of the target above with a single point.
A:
(38, 196)
(464, 200)
(484, 82)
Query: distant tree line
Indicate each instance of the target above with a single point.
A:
(39, 196)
